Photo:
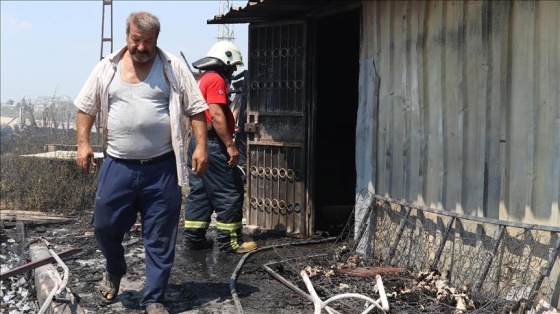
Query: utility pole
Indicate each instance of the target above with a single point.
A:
(225, 31)
(106, 38)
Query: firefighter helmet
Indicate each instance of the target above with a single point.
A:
(226, 51)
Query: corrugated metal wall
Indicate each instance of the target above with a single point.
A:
(462, 100)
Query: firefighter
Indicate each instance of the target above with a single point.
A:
(220, 189)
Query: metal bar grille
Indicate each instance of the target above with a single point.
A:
(277, 69)
(276, 188)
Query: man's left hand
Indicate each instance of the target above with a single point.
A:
(233, 155)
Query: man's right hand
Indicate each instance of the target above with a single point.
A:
(85, 158)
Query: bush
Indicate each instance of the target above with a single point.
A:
(32, 183)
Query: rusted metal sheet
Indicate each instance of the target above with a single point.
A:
(39, 263)
(277, 127)
(372, 271)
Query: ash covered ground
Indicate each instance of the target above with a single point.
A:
(201, 281)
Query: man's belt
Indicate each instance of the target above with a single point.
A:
(145, 161)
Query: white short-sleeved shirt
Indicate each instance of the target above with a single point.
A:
(185, 100)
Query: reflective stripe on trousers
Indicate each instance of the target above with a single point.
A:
(221, 190)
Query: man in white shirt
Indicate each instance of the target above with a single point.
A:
(145, 98)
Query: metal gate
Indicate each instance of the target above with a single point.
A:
(276, 127)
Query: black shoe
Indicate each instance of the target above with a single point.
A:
(205, 244)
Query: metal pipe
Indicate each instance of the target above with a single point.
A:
(362, 228)
(237, 269)
(55, 277)
(49, 299)
(382, 294)
(468, 217)
(399, 234)
(290, 285)
(319, 304)
(443, 242)
(373, 305)
(64, 280)
(41, 262)
(187, 62)
(545, 272)
(484, 273)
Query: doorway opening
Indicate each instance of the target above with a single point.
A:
(336, 63)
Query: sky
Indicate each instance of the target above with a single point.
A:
(48, 48)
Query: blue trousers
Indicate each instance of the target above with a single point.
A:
(123, 191)
(220, 189)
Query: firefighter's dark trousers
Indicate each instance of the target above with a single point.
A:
(123, 191)
(220, 189)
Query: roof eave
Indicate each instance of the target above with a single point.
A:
(272, 10)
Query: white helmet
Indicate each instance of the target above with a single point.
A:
(226, 51)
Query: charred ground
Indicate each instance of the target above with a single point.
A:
(201, 282)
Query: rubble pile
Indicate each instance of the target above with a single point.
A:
(423, 292)
(17, 293)
(432, 283)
